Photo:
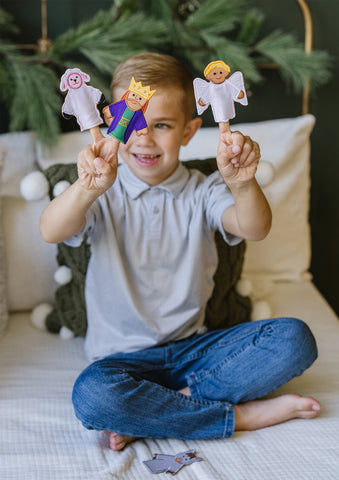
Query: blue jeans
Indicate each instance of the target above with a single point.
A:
(136, 393)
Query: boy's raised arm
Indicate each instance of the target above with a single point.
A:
(250, 217)
(64, 216)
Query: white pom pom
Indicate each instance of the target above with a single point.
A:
(244, 287)
(261, 311)
(39, 315)
(65, 333)
(34, 186)
(265, 173)
(63, 275)
(60, 187)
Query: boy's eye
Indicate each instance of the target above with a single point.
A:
(162, 126)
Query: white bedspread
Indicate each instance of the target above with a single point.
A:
(42, 440)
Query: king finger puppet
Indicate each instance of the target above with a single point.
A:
(81, 101)
(219, 92)
(161, 463)
(127, 115)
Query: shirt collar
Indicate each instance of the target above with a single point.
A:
(136, 187)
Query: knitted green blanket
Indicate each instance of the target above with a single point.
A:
(224, 309)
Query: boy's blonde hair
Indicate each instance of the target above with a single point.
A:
(160, 72)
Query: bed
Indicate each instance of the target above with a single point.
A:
(41, 439)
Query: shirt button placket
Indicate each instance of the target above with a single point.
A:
(155, 210)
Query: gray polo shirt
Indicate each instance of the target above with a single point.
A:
(153, 258)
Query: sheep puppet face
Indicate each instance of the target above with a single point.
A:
(73, 79)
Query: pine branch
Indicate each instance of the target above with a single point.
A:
(195, 31)
(217, 16)
(236, 56)
(7, 24)
(40, 109)
(295, 65)
(250, 27)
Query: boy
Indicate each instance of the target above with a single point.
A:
(151, 225)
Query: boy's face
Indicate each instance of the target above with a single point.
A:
(154, 157)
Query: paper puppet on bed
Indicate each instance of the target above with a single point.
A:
(171, 463)
(219, 92)
(127, 115)
(81, 100)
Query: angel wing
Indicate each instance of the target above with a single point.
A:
(200, 86)
(237, 82)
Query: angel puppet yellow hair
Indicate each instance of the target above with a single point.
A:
(217, 63)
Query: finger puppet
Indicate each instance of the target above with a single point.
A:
(219, 92)
(127, 115)
(81, 101)
(171, 463)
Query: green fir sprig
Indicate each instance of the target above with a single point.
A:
(195, 31)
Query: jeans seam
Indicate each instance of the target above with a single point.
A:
(206, 351)
(229, 421)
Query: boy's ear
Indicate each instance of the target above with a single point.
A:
(192, 126)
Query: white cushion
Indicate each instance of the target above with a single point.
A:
(285, 253)
(20, 158)
(30, 262)
(65, 151)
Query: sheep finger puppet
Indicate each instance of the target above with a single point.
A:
(127, 115)
(161, 463)
(219, 92)
(81, 101)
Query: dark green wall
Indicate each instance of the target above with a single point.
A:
(324, 215)
(279, 102)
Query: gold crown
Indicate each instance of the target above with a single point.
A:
(137, 87)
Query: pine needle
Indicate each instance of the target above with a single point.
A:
(295, 65)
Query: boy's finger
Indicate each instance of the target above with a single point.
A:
(101, 165)
(85, 159)
(234, 143)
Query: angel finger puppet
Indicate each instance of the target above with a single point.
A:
(81, 101)
(219, 92)
(127, 115)
(161, 463)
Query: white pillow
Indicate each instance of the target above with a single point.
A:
(30, 262)
(20, 158)
(285, 253)
(65, 151)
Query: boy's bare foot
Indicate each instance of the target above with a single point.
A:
(265, 413)
(118, 442)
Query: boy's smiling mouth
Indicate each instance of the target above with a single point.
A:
(146, 160)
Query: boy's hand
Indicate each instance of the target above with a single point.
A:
(237, 158)
(97, 165)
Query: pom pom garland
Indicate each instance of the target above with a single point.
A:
(60, 187)
(66, 334)
(39, 315)
(63, 275)
(261, 311)
(34, 186)
(265, 173)
(244, 287)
